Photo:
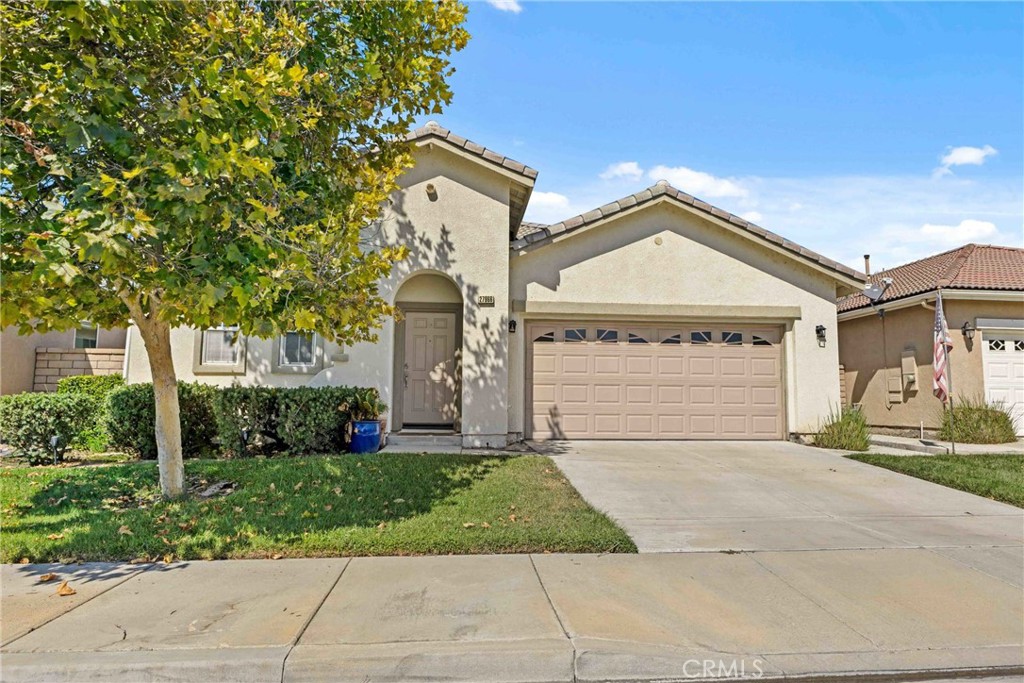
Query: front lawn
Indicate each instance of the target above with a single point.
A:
(1000, 477)
(393, 504)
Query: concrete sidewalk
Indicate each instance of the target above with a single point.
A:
(899, 613)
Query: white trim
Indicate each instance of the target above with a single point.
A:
(1000, 324)
(925, 297)
(428, 144)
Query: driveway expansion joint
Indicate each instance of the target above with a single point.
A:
(312, 614)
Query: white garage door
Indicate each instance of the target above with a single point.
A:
(1002, 355)
(654, 381)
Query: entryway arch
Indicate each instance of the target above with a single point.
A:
(428, 353)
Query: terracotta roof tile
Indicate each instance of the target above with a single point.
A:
(432, 129)
(972, 266)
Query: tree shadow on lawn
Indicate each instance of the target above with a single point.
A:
(115, 513)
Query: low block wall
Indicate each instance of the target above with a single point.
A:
(54, 363)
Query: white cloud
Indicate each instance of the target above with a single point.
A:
(969, 230)
(623, 169)
(752, 216)
(549, 207)
(512, 6)
(964, 156)
(698, 183)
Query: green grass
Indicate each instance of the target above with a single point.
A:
(392, 504)
(1000, 477)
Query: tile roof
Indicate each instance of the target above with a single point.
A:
(526, 236)
(433, 130)
(972, 266)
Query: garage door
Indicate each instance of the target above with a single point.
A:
(636, 381)
(1003, 357)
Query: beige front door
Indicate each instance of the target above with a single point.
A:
(655, 381)
(430, 371)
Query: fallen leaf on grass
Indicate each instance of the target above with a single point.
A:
(486, 525)
(23, 560)
(328, 507)
(468, 525)
(125, 531)
(511, 518)
(47, 577)
(55, 537)
(276, 556)
(65, 590)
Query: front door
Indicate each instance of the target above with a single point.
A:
(431, 370)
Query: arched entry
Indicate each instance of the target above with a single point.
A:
(428, 354)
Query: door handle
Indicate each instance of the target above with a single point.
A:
(405, 375)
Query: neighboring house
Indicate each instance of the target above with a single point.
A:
(888, 360)
(657, 316)
(35, 362)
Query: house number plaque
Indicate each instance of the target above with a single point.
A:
(484, 300)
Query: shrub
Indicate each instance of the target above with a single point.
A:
(97, 387)
(846, 430)
(974, 420)
(131, 413)
(250, 408)
(311, 419)
(29, 420)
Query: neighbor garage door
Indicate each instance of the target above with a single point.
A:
(654, 381)
(1003, 357)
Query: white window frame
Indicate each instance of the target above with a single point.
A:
(278, 366)
(95, 337)
(201, 368)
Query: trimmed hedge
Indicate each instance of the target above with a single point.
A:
(250, 408)
(131, 417)
(29, 420)
(97, 387)
(311, 419)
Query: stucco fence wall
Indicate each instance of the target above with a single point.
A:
(54, 363)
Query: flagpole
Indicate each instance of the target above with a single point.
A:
(952, 413)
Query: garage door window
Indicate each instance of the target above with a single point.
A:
(546, 337)
(576, 334)
(700, 337)
(673, 339)
(637, 338)
(732, 338)
(996, 344)
(761, 341)
(607, 336)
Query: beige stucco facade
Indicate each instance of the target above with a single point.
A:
(662, 262)
(18, 353)
(667, 263)
(879, 362)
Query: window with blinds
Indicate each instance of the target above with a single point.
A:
(220, 346)
(296, 349)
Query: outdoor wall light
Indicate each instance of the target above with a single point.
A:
(819, 332)
(511, 326)
(968, 330)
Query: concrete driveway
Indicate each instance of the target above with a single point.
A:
(755, 496)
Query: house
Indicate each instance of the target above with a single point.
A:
(35, 362)
(656, 316)
(886, 349)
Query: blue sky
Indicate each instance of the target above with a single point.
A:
(894, 129)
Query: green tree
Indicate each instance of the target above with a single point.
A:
(201, 163)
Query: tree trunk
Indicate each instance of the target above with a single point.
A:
(157, 336)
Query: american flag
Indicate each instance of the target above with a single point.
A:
(940, 351)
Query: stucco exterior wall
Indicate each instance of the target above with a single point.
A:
(18, 353)
(870, 359)
(459, 231)
(666, 256)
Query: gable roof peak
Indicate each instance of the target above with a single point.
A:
(663, 191)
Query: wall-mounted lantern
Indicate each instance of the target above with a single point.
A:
(819, 332)
(511, 326)
(968, 330)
